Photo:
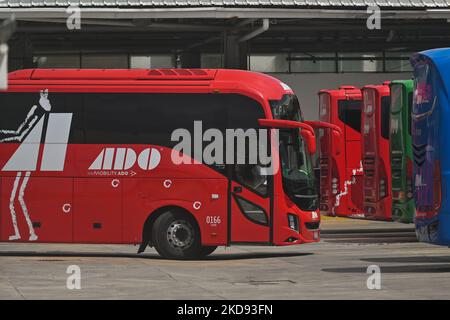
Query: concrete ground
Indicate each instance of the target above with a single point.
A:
(333, 269)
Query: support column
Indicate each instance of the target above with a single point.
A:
(235, 52)
(3, 66)
(7, 28)
(190, 60)
(20, 54)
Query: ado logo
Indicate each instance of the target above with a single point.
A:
(126, 158)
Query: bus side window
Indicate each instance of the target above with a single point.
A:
(385, 116)
(243, 113)
(252, 177)
(14, 109)
(16, 106)
(349, 112)
(410, 102)
(73, 103)
(109, 118)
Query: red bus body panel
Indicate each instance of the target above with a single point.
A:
(72, 205)
(341, 174)
(375, 155)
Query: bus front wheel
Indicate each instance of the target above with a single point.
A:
(177, 236)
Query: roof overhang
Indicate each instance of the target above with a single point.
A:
(220, 13)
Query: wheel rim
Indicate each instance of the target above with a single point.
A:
(180, 234)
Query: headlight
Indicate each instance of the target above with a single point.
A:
(293, 221)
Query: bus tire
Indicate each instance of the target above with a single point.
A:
(176, 236)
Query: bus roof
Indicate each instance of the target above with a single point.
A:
(113, 74)
(217, 79)
(440, 58)
(382, 89)
(343, 91)
(408, 84)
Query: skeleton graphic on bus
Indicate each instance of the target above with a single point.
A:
(25, 159)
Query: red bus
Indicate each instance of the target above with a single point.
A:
(86, 157)
(375, 151)
(340, 165)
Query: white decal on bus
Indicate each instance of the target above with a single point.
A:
(25, 158)
(347, 183)
(125, 158)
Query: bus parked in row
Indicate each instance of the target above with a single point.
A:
(86, 156)
(340, 165)
(401, 151)
(375, 152)
(430, 138)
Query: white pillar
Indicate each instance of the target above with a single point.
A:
(3, 66)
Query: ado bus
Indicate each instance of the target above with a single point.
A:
(375, 151)
(430, 138)
(86, 157)
(401, 150)
(340, 170)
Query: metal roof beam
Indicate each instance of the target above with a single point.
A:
(221, 13)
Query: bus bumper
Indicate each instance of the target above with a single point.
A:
(403, 211)
(380, 210)
(308, 230)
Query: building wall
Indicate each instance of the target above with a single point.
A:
(307, 85)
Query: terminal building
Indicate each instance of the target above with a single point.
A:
(309, 44)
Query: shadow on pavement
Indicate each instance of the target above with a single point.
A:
(430, 268)
(353, 236)
(213, 257)
(372, 240)
(254, 255)
(63, 254)
(414, 259)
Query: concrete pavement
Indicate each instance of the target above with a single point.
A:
(333, 269)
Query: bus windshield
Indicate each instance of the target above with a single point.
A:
(369, 122)
(426, 133)
(297, 171)
(423, 103)
(397, 98)
(324, 115)
(396, 127)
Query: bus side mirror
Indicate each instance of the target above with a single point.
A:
(336, 132)
(306, 131)
(310, 140)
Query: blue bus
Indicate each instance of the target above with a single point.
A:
(431, 140)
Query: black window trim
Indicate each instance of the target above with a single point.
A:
(236, 197)
(385, 123)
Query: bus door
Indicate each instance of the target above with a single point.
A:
(329, 175)
(340, 169)
(349, 114)
(385, 166)
(401, 150)
(429, 112)
(251, 195)
(375, 152)
(250, 185)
